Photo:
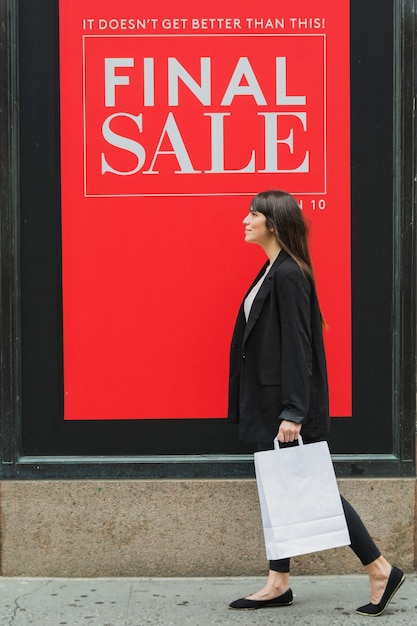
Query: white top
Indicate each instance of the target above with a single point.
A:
(252, 294)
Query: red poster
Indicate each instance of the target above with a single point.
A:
(172, 117)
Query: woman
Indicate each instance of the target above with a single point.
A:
(278, 379)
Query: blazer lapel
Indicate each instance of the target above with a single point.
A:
(262, 294)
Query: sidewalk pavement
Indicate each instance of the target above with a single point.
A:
(319, 601)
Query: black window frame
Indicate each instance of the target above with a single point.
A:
(387, 449)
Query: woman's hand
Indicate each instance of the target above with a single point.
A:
(288, 431)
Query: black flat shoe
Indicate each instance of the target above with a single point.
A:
(245, 604)
(395, 581)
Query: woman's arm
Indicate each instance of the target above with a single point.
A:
(293, 292)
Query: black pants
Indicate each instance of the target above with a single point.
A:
(361, 541)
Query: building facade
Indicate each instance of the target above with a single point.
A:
(96, 490)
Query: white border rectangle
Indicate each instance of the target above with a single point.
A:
(182, 195)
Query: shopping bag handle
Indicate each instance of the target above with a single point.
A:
(276, 442)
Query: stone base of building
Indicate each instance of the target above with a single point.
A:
(185, 528)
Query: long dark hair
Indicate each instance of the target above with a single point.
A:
(284, 215)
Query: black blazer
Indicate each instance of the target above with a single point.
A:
(277, 360)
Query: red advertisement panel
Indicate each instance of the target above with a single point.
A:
(172, 118)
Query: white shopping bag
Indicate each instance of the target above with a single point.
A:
(300, 502)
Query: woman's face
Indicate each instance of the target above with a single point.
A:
(256, 230)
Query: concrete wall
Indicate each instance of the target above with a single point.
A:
(177, 527)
